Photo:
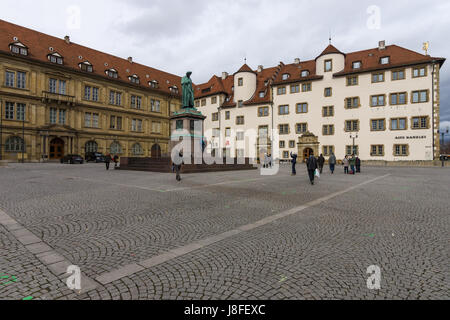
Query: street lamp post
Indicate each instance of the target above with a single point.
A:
(353, 137)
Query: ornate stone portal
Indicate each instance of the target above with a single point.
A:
(308, 143)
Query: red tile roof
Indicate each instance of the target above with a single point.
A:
(245, 68)
(39, 44)
(328, 50)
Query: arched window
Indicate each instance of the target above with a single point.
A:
(137, 150)
(115, 148)
(91, 146)
(14, 144)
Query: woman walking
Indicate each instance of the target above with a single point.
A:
(345, 162)
(332, 162)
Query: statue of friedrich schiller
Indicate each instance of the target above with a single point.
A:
(187, 98)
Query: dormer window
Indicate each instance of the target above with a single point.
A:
(55, 58)
(174, 89)
(266, 82)
(153, 84)
(262, 94)
(328, 65)
(112, 73)
(206, 90)
(305, 73)
(232, 88)
(134, 79)
(18, 48)
(86, 66)
(286, 76)
(385, 60)
(357, 65)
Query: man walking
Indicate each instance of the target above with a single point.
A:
(352, 163)
(116, 160)
(311, 165)
(345, 162)
(358, 165)
(108, 160)
(294, 162)
(321, 162)
(178, 167)
(332, 162)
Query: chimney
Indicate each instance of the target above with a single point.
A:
(67, 39)
(297, 61)
(130, 59)
(382, 45)
(224, 75)
(260, 68)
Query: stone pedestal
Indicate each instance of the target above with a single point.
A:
(188, 124)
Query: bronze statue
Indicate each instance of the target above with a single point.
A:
(187, 97)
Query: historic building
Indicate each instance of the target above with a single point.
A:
(381, 103)
(59, 98)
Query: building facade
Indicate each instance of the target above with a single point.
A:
(60, 98)
(381, 104)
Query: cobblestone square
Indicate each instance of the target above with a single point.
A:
(227, 235)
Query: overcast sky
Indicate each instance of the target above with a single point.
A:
(211, 36)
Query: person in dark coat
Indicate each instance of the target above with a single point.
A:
(332, 162)
(116, 160)
(294, 162)
(311, 164)
(321, 162)
(358, 165)
(108, 160)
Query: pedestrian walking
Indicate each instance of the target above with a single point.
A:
(332, 162)
(266, 160)
(108, 161)
(311, 165)
(116, 160)
(358, 165)
(270, 160)
(294, 162)
(352, 164)
(346, 163)
(177, 167)
(321, 162)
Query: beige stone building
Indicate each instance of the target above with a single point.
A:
(382, 104)
(60, 98)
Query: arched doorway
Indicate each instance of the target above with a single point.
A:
(156, 151)
(91, 146)
(306, 153)
(56, 149)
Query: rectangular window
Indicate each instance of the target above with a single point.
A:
(94, 94)
(119, 123)
(227, 115)
(401, 150)
(139, 125)
(282, 144)
(384, 60)
(398, 98)
(377, 150)
(263, 112)
(328, 92)
(240, 104)
(62, 116)
(328, 130)
(350, 150)
(295, 88)
(352, 81)
(351, 125)
(9, 110)
(351, 103)
(227, 132)
(10, 79)
(378, 125)
(156, 127)
(356, 65)
(420, 96)
(377, 101)
(283, 129)
(240, 136)
(87, 92)
(133, 101)
(281, 90)
(203, 102)
(213, 100)
(419, 72)
(240, 82)
(95, 120)
(378, 77)
(52, 85)
(302, 107)
(21, 80)
(87, 120)
(398, 124)
(112, 122)
(155, 105)
(398, 75)
(62, 87)
(420, 122)
(53, 114)
(283, 110)
(301, 128)
(328, 111)
(292, 144)
(328, 150)
(20, 111)
(215, 116)
(306, 87)
(118, 98)
(136, 102)
(240, 120)
(328, 65)
(112, 97)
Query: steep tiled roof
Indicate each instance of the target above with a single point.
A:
(328, 50)
(74, 54)
(245, 68)
(263, 81)
(295, 70)
(212, 87)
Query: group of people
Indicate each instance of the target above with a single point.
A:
(109, 159)
(313, 164)
(267, 160)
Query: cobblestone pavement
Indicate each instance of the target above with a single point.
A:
(229, 235)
